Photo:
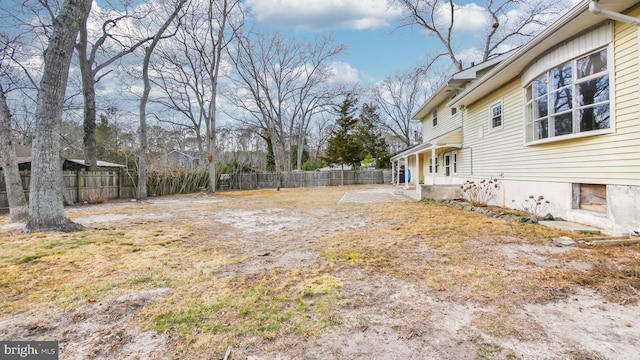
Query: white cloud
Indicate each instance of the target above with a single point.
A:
(469, 18)
(324, 14)
(343, 73)
(470, 55)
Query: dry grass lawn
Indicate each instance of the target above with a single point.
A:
(294, 274)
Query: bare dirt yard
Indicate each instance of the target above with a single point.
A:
(315, 273)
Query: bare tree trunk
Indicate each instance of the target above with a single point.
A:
(46, 211)
(89, 95)
(142, 165)
(66, 198)
(144, 147)
(18, 210)
(89, 71)
(213, 176)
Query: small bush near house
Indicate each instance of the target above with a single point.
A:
(479, 193)
(534, 205)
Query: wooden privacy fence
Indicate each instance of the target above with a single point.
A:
(94, 186)
(84, 185)
(303, 179)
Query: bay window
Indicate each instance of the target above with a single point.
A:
(571, 98)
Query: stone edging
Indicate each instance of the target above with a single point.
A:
(501, 215)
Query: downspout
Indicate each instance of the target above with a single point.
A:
(597, 10)
(462, 110)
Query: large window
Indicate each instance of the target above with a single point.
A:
(571, 98)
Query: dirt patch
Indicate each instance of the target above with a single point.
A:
(341, 273)
(104, 329)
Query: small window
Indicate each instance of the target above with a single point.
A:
(431, 167)
(455, 162)
(454, 111)
(591, 197)
(495, 114)
(434, 115)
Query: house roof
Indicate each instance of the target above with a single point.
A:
(189, 154)
(23, 155)
(99, 163)
(455, 83)
(571, 24)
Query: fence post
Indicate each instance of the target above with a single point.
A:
(79, 179)
(120, 183)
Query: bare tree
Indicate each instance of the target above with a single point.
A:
(46, 210)
(17, 79)
(18, 209)
(506, 22)
(189, 68)
(94, 59)
(319, 134)
(399, 96)
(142, 156)
(282, 84)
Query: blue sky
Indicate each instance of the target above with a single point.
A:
(377, 47)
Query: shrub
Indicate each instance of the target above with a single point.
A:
(479, 193)
(534, 206)
(312, 165)
(95, 196)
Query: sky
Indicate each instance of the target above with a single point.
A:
(377, 46)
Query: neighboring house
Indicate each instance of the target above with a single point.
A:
(23, 155)
(77, 164)
(559, 117)
(176, 158)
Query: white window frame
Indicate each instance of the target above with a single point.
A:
(492, 117)
(431, 167)
(529, 123)
(434, 117)
(455, 163)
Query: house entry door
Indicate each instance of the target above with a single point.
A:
(447, 164)
(450, 163)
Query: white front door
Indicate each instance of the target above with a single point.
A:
(450, 160)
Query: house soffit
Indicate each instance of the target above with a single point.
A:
(455, 84)
(451, 139)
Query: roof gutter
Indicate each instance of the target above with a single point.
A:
(597, 10)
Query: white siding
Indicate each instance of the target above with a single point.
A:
(446, 123)
(601, 159)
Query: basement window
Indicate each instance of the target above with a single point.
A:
(590, 197)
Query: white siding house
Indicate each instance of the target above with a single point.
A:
(559, 117)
